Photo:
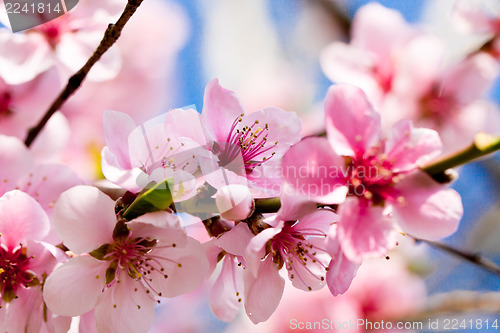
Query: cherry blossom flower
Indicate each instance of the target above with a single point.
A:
(21, 105)
(64, 43)
(386, 192)
(470, 17)
(294, 238)
(42, 181)
(453, 102)
(129, 266)
(402, 70)
(382, 290)
(136, 155)
(145, 63)
(248, 147)
(25, 262)
(380, 41)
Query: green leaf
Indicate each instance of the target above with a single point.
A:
(155, 197)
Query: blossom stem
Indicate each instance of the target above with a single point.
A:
(482, 145)
(111, 35)
(267, 205)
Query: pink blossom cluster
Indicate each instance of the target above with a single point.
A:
(404, 72)
(119, 265)
(279, 211)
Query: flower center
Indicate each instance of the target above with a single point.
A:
(135, 257)
(53, 30)
(5, 101)
(437, 106)
(295, 249)
(14, 271)
(250, 141)
(370, 176)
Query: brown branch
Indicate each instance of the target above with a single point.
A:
(337, 15)
(110, 37)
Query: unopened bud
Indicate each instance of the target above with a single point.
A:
(234, 202)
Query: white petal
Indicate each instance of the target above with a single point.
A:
(73, 288)
(84, 218)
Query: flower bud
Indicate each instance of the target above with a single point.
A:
(234, 202)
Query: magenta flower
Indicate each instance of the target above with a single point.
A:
(386, 191)
(129, 268)
(24, 263)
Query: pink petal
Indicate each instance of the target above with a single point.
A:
(185, 123)
(419, 64)
(263, 292)
(364, 231)
(23, 314)
(47, 256)
(128, 178)
(427, 209)
(161, 226)
(318, 222)
(377, 29)
(468, 17)
(284, 128)
(266, 179)
(471, 79)
(341, 270)
(293, 205)
(352, 125)
(16, 162)
(23, 56)
(408, 147)
(221, 108)
(344, 63)
(227, 292)
(313, 169)
(117, 126)
(21, 219)
(151, 221)
(148, 144)
(236, 240)
(311, 276)
(53, 140)
(186, 268)
(122, 309)
(256, 247)
(73, 288)
(47, 182)
(84, 218)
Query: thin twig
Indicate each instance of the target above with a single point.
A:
(110, 37)
(336, 13)
(483, 144)
(471, 257)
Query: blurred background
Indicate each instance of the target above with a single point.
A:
(268, 52)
